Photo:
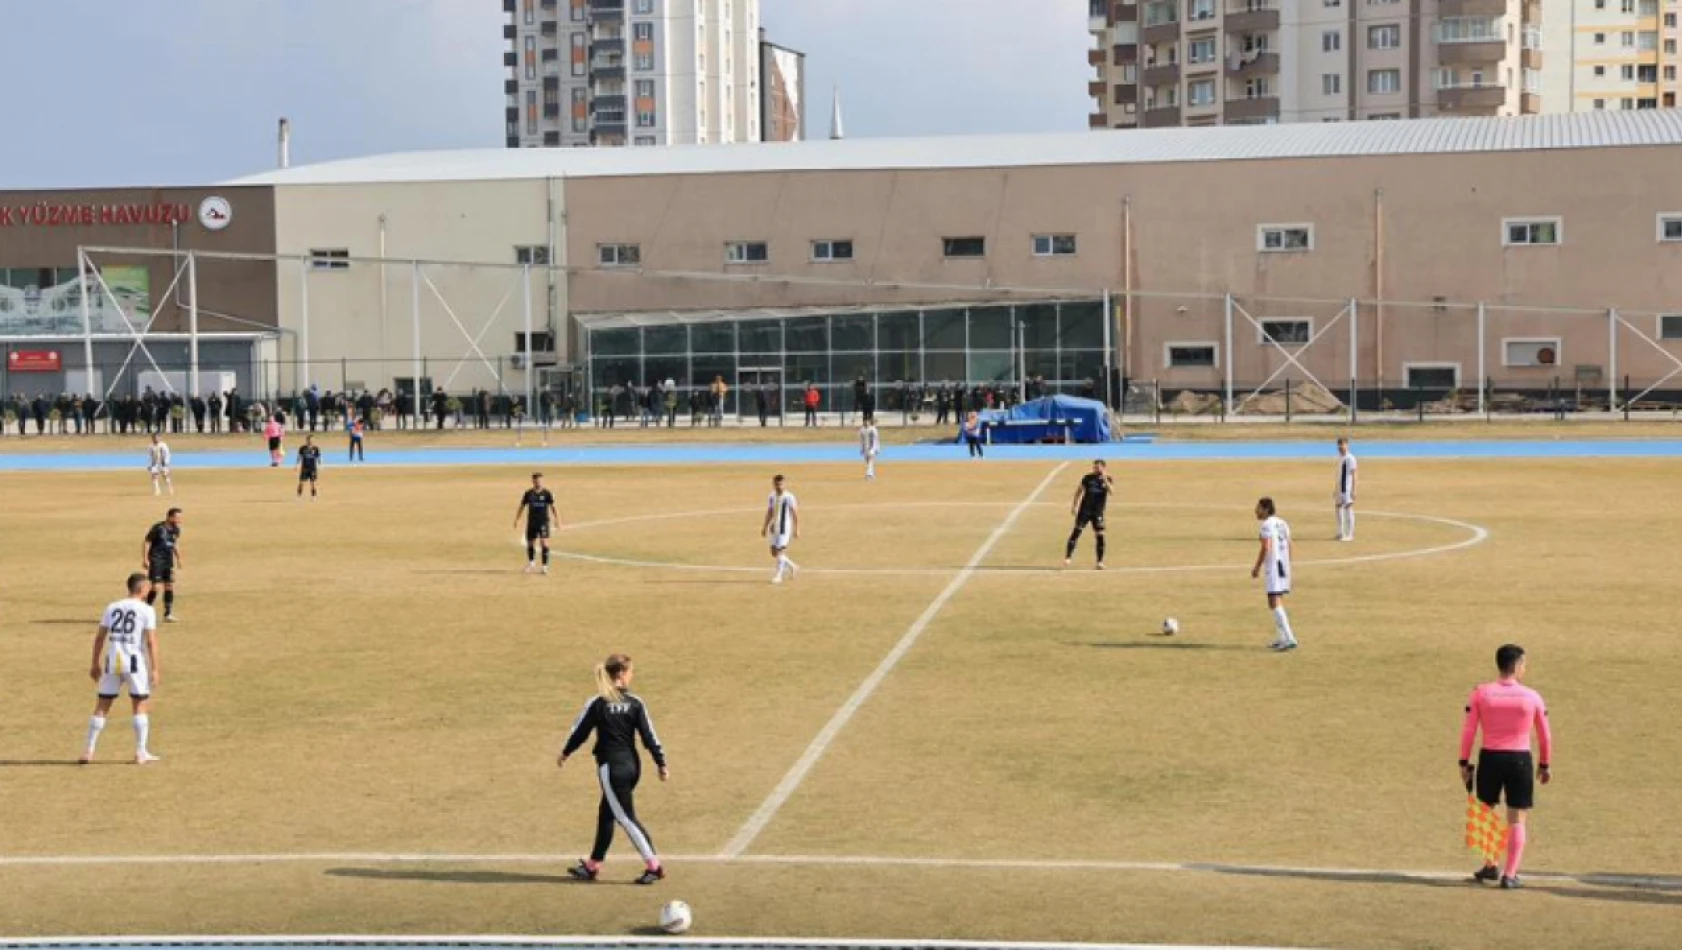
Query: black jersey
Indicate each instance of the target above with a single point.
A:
(1095, 493)
(163, 537)
(617, 726)
(540, 502)
(309, 457)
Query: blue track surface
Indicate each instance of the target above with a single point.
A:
(735, 454)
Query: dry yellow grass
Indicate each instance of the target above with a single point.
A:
(372, 673)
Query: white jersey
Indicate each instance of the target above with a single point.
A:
(126, 623)
(157, 457)
(1346, 466)
(1277, 564)
(783, 509)
(870, 441)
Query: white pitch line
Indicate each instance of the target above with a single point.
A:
(1666, 882)
(779, 796)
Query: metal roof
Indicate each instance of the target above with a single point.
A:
(1613, 129)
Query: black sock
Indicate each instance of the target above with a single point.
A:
(1069, 549)
(151, 597)
(545, 557)
(1100, 540)
(531, 553)
(169, 602)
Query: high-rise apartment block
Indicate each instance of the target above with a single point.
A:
(1229, 62)
(1611, 54)
(632, 72)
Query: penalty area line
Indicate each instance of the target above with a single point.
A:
(779, 796)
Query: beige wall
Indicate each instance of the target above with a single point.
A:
(348, 320)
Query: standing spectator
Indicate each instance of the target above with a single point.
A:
(905, 396)
(811, 401)
(214, 405)
(942, 405)
(312, 406)
(720, 389)
(696, 399)
(440, 406)
(90, 413)
(507, 407)
(197, 406)
(234, 407)
(671, 403)
(760, 397)
(860, 388)
(39, 408)
(867, 406)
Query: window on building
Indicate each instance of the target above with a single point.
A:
(1384, 116)
(329, 258)
(1531, 232)
(1670, 326)
(531, 111)
(643, 62)
(1669, 73)
(1530, 352)
(643, 7)
(1331, 84)
(1190, 355)
(619, 255)
(964, 246)
(1285, 237)
(1600, 105)
(746, 252)
(1670, 21)
(1201, 50)
(1626, 72)
(1384, 81)
(1331, 41)
(1438, 376)
(530, 11)
(531, 57)
(1202, 10)
(1201, 92)
(579, 64)
(1627, 6)
(1646, 103)
(537, 254)
(1600, 39)
(645, 88)
(645, 140)
(1061, 245)
(1670, 47)
(1626, 39)
(1286, 331)
(642, 32)
(579, 8)
(832, 250)
(1388, 36)
(1600, 72)
(580, 109)
(645, 118)
(1333, 3)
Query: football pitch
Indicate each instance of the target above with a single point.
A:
(936, 731)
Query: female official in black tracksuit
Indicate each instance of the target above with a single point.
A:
(617, 718)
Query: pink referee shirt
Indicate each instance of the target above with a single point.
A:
(271, 430)
(1506, 711)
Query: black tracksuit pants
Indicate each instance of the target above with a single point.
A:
(618, 779)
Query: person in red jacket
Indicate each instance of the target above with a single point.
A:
(812, 398)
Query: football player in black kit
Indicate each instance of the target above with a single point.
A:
(618, 718)
(541, 503)
(1088, 508)
(160, 553)
(309, 465)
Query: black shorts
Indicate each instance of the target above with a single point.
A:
(274, 445)
(308, 475)
(1506, 775)
(533, 532)
(1093, 518)
(160, 573)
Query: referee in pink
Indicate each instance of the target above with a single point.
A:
(1507, 711)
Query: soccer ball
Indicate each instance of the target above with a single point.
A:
(1170, 627)
(675, 918)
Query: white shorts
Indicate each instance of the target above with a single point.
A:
(134, 676)
(1344, 499)
(780, 542)
(158, 469)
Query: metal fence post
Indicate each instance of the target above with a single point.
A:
(1483, 369)
(1612, 360)
(1287, 400)
(1226, 398)
(1626, 397)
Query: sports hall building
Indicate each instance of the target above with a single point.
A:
(1527, 251)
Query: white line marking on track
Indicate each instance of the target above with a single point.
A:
(1665, 882)
(1477, 534)
(797, 774)
(480, 940)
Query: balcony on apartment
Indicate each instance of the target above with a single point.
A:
(1253, 63)
(1124, 93)
(1471, 99)
(1161, 117)
(1098, 15)
(1252, 16)
(1096, 88)
(1470, 40)
(1096, 57)
(1251, 109)
(607, 10)
(551, 28)
(1530, 56)
(1125, 53)
(1161, 74)
(1161, 22)
(1097, 120)
(1467, 8)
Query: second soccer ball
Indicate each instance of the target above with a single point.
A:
(1170, 627)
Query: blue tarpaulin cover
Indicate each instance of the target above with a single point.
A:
(1086, 420)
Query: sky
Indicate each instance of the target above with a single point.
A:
(183, 92)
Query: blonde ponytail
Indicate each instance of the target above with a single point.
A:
(607, 677)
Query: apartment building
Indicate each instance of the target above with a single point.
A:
(1232, 62)
(632, 72)
(1612, 55)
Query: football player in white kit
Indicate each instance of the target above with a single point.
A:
(782, 526)
(157, 464)
(870, 445)
(1275, 558)
(1344, 497)
(125, 653)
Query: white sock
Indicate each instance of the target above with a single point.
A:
(1282, 624)
(142, 732)
(96, 725)
(790, 562)
(1349, 513)
(781, 561)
